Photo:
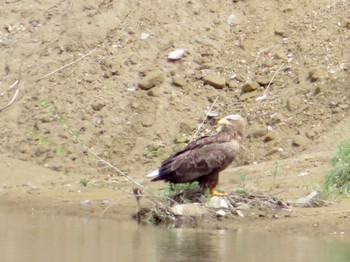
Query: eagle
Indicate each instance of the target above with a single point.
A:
(203, 159)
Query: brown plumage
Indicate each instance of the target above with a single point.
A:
(203, 159)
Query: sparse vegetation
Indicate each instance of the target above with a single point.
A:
(84, 182)
(338, 179)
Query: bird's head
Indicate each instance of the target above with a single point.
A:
(232, 122)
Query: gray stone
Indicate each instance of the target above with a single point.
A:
(220, 213)
(215, 81)
(217, 202)
(249, 86)
(85, 203)
(192, 209)
(152, 79)
(98, 106)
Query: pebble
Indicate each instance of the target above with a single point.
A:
(257, 132)
(215, 81)
(231, 19)
(263, 80)
(315, 74)
(220, 213)
(233, 84)
(152, 79)
(85, 203)
(247, 96)
(249, 86)
(98, 106)
(179, 81)
(299, 141)
(176, 54)
(270, 136)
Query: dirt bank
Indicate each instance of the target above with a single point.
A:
(292, 57)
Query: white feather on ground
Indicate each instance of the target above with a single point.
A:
(153, 174)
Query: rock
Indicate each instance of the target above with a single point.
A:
(314, 199)
(316, 74)
(291, 105)
(220, 213)
(192, 209)
(281, 32)
(176, 54)
(215, 81)
(270, 136)
(152, 79)
(276, 119)
(263, 80)
(257, 132)
(299, 141)
(105, 201)
(249, 86)
(231, 19)
(179, 81)
(154, 91)
(274, 151)
(147, 120)
(182, 139)
(98, 106)
(217, 202)
(239, 213)
(85, 203)
(246, 96)
(233, 84)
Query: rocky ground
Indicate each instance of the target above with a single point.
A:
(95, 83)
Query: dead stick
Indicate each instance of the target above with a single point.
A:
(71, 63)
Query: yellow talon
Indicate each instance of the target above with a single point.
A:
(214, 192)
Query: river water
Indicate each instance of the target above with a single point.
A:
(39, 237)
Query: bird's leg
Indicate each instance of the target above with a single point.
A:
(214, 192)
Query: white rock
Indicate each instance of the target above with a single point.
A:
(217, 202)
(144, 36)
(176, 54)
(231, 19)
(189, 210)
(85, 203)
(220, 213)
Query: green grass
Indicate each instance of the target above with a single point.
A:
(338, 178)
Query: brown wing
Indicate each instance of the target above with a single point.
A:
(207, 155)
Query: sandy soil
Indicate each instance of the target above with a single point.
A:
(97, 103)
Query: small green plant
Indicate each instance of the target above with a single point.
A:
(173, 190)
(338, 178)
(84, 182)
(243, 181)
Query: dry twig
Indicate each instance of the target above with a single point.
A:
(205, 118)
(14, 85)
(63, 67)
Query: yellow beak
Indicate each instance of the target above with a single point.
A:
(223, 121)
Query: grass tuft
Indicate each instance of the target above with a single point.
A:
(338, 179)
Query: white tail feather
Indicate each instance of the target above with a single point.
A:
(153, 174)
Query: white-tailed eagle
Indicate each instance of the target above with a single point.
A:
(204, 158)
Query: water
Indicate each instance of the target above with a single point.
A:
(38, 237)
